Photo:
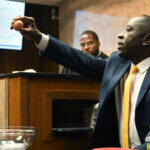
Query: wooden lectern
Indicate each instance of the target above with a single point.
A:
(46, 101)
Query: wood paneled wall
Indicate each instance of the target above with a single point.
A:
(29, 56)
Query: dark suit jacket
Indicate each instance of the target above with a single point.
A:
(108, 72)
(66, 70)
(102, 55)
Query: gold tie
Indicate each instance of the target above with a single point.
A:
(126, 108)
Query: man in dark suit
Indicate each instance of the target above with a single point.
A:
(90, 44)
(134, 49)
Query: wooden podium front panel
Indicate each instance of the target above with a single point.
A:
(41, 92)
(61, 95)
(30, 104)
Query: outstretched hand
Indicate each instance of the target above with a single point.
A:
(29, 30)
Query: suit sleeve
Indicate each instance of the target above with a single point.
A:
(141, 147)
(75, 59)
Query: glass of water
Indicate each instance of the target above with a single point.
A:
(16, 137)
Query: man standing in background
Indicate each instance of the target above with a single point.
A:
(90, 44)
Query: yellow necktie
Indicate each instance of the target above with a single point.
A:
(126, 108)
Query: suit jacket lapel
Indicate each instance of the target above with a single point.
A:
(115, 79)
(118, 75)
(144, 87)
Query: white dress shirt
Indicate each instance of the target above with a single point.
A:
(43, 43)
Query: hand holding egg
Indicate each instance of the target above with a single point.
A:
(27, 27)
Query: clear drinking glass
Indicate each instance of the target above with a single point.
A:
(16, 137)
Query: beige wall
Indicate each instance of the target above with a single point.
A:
(119, 8)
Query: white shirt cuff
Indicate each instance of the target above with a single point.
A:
(43, 43)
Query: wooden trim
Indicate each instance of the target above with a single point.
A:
(4, 102)
(49, 95)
